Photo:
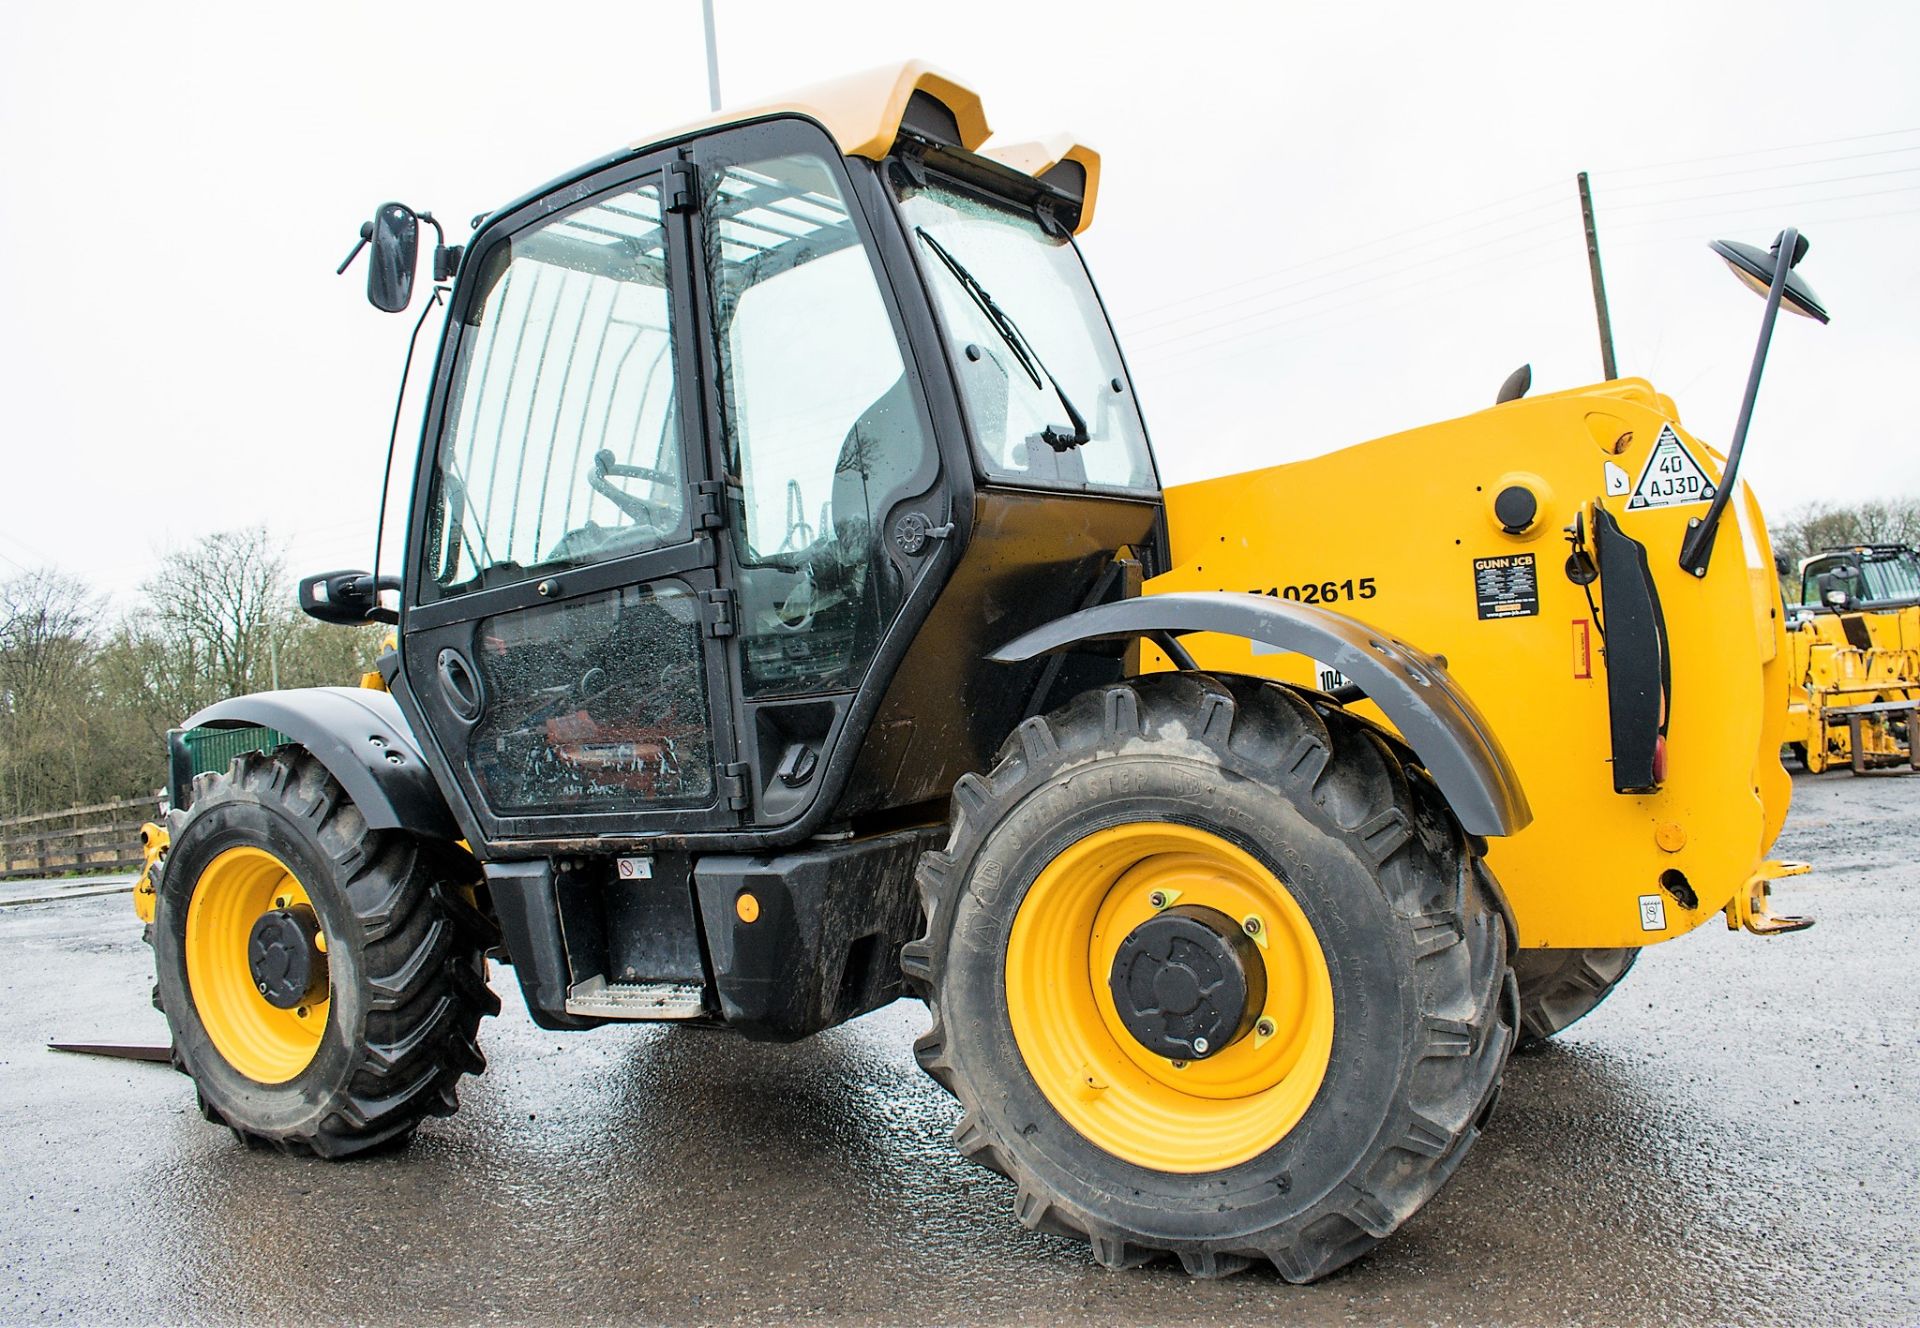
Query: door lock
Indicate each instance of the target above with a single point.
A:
(913, 532)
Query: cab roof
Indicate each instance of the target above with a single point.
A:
(864, 114)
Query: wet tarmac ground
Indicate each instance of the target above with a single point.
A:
(1734, 1137)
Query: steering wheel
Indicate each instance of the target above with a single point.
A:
(639, 509)
(796, 610)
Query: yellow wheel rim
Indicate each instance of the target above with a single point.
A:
(265, 1043)
(1212, 1113)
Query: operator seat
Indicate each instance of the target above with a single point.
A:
(887, 457)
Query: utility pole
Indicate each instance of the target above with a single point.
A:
(713, 64)
(1593, 269)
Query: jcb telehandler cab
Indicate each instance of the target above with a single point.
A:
(782, 475)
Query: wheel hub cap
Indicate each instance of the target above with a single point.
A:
(1188, 982)
(288, 967)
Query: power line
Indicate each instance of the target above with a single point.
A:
(1757, 152)
(1313, 328)
(1166, 353)
(1213, 309)
(1355, 248)
(1753, 208)
(1772, 166)
(1320, 295)
(1766, 188)
(1692, 233)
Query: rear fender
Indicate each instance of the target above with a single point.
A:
(361, 738)
(1428, 708)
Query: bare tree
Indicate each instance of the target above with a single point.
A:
(46, 654)
(1807, 530)
(217, 604)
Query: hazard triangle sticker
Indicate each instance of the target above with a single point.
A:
(1672, 477)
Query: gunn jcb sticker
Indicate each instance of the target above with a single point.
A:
(1507, 586)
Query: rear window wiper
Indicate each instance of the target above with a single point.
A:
(1059, 439)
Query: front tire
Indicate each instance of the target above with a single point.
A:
(1361, 1073)
(324, 982)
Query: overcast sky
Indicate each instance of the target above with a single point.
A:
(1319, 223)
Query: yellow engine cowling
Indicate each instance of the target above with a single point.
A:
(1401, 533)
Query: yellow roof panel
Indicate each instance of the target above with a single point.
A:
(863, 112)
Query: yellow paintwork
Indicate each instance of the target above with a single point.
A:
(154, 841)
(371, 679)
(1828, 670)
(1038, 156)
(1188, 1117)
(261, 1041)
(1412, 512)
(862, 113)
(1752, 906)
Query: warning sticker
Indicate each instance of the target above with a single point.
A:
(635, 869)
(1507, 586)
(1324, 675)
(1653, 913)
(1618, 482)
(1672, 477)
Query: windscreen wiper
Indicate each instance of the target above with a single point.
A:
(1059, 439)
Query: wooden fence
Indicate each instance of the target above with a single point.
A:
(102, 838)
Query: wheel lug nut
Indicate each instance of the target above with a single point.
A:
(1251, 926)
(263, 988)
(1158, 899)
(1178, 1065)
(1201, 1046)
(1264, 1028)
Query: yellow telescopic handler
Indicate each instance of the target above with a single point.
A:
(791, 619)
(1854, 643)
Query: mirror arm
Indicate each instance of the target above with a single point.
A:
(366, 234)
(1696, 549)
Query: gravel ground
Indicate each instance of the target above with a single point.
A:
(1733, 1138)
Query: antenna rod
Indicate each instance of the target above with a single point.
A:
(713, 59)
(1599, 283)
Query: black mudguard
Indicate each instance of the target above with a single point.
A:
(1413, 689)
(359, 735)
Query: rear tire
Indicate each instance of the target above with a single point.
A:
(390, 1025)
(1559, 988)
(1333, 811)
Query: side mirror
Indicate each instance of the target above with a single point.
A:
(1756, 268)
(1769, 272)
(396, 253)
(347, 599)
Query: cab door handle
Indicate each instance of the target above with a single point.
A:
(459, 685)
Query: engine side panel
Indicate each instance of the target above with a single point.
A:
(1420, 534)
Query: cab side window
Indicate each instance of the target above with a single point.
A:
(564, 446)
(823, 435)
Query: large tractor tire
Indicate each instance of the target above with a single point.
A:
(324, 982)
(1560, 987)
(1212, 974)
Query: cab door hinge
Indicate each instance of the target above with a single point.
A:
(682, 192)
(733, 785)
(709, 504)
(716, 609)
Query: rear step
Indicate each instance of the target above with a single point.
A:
(600, 999)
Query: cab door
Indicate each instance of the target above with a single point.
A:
(562, 636)
(836, 502)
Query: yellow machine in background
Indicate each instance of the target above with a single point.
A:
(1854, 642)
(1482, 548)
